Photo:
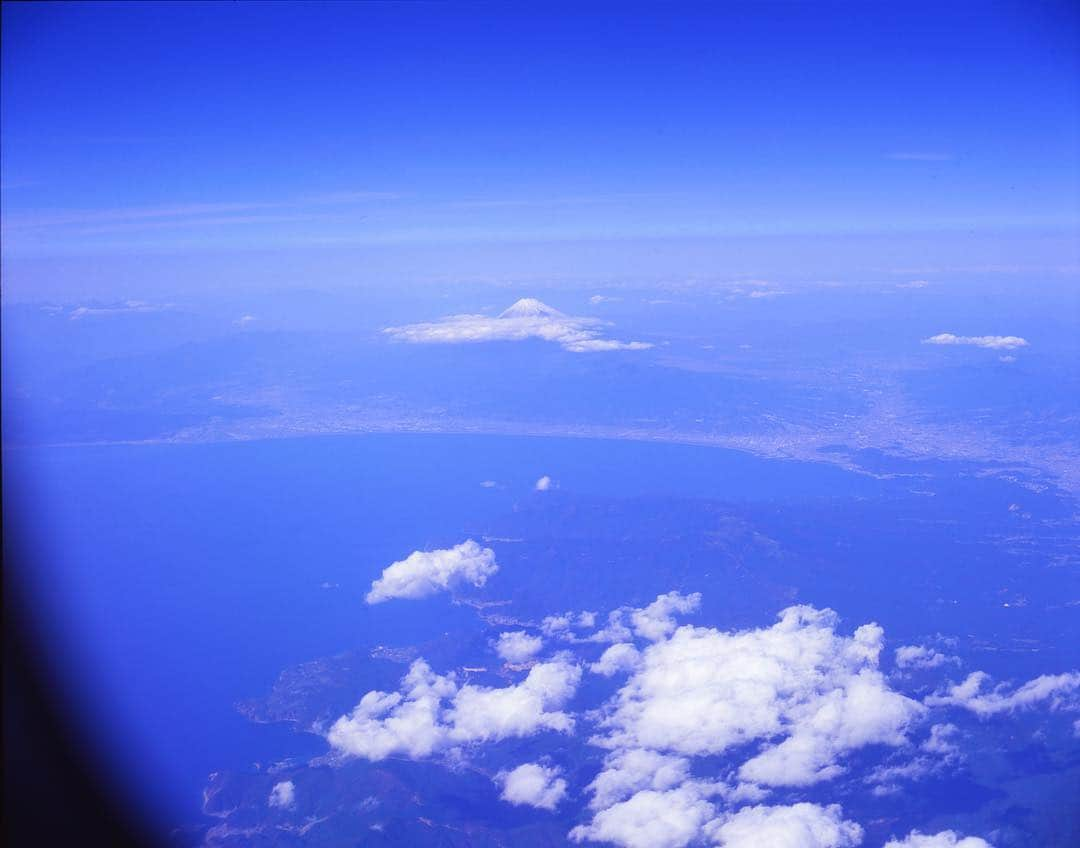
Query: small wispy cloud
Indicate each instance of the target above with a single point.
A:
(335, 197)
(920, 156)
(761, 293)
(125, 308)
(754, 289)
(1059, 690)
(919, 656)
(991, 342)
(550, 201)
(192, 214)
(283, 795)
(197, 223)
(86, 217)
(527, 319)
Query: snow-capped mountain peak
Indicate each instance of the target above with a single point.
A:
(530, 307)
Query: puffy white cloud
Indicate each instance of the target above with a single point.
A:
(657, 619)
(918, 656)
(518, 646)
(543, 484)
(703, 691)
(944, 839)
(1061, 690)
(283, 795)
(796, 826)
(424, 573)
(432, 713)
(650, 819)
(991, 342)
(532, 785)
(386, 723)
(480, 714)
(621, 656)
(526, 319)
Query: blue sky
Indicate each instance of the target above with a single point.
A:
(405, 134)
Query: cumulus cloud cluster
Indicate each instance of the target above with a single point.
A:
(798, 694)
(991, 342)
(791, 702)
(808, 693)
(432, 713)
(424, 573)
(532, 785)
(528, 318)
